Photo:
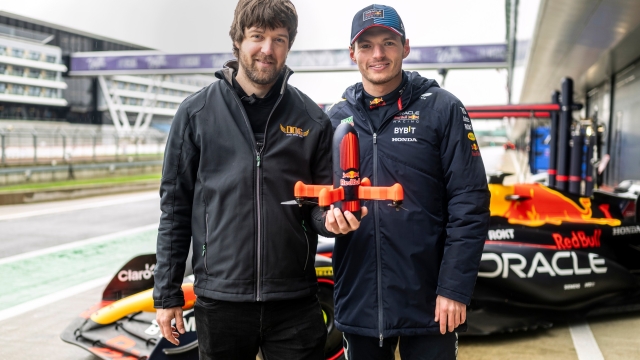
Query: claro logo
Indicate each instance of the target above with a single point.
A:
(137, 275)
(517, 263)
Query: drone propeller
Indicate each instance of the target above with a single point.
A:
(299, 202)
(397, 205)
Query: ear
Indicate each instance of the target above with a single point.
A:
(352, 53)
(406, 49)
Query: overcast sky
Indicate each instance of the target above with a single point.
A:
(203, 26)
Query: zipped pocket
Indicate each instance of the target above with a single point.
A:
(204, 245)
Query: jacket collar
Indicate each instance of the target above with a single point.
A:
(231, 67)
(416, 86)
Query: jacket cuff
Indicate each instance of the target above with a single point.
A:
(317, 220)
(168, 303)
(453, 295)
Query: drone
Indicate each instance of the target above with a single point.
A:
(348, 188)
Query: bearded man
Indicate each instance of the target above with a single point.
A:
(235, 150)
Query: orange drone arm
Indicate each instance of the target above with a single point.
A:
(368, 192)
(328, 196)
(300, 190)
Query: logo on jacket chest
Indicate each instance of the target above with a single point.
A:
(407, 117)
(294, 131)
(404, 130)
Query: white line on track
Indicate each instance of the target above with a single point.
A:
(585, 343)
(51, 298)
(98, 204)
(77, 243)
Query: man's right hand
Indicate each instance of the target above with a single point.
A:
(169, 332)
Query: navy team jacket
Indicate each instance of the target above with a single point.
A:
(389, 272)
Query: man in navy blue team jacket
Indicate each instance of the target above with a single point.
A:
(411, 273)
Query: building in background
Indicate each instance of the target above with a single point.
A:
(34, 81)
(31, 83)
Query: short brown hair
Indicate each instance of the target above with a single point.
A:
(266, 14)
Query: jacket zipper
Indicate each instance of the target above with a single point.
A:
(204, 246)
(258, 195)
(258, 176)
(306, 259)
(376, 217)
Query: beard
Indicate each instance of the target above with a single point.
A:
(256, 75)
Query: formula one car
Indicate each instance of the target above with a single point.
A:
(123, 326)
(549, 256)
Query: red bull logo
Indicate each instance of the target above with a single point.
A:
(539, 205)
(474, 147)
(377, 102)
(350, 178)
(351, 174)
(578, 240)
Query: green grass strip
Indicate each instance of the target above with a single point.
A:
(69, 183)
(38, 276)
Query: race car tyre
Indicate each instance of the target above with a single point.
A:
(333, 347)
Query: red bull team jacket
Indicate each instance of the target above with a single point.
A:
(389, 271)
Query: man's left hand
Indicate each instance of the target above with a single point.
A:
(342, 223)
(449, 313)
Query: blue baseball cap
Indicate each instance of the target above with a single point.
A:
(376, 15)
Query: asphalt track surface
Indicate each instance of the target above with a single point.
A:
(55, 259)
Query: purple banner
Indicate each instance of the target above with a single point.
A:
(313, 60)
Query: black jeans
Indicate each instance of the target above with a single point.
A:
(423, 347)
(288, 329)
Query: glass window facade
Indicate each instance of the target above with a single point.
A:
(17, 71)
(34, 55)
(17, 89)
(34, 91)
(82, 94)
(15, 52)
(3, 88)
(34, 73)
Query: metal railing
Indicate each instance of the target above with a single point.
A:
(52, 146)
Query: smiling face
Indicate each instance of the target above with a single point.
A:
(262, 54)
(378, 52)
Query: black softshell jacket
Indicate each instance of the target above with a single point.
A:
(389, 271)
(221, 189)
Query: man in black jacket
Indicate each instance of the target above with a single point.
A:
(235, 150)
(411, 273)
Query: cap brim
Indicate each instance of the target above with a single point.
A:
(369, 27)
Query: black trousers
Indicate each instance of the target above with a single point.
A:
(423, 347)
(288, 329)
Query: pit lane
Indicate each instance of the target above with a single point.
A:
(34, 334)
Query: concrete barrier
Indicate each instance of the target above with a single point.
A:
(74, 192)
(38, 174)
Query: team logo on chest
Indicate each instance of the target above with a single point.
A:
(407, 117)
(294, 131)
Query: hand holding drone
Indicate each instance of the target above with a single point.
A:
(348, 188)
